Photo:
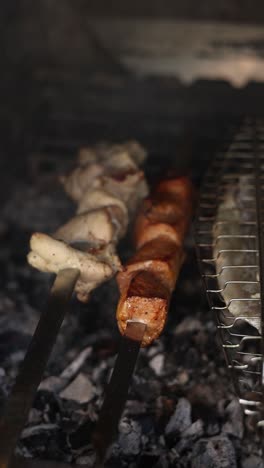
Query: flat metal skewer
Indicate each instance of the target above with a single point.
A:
(20, 400)
(117, 390)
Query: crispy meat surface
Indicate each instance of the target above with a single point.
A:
(145, 299)
(158, 257)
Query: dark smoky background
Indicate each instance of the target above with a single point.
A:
(64, 80)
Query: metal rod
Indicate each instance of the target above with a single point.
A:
(22, 395)
(117, 390)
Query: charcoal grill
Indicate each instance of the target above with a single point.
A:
(243, 349)
(242, 344)
(75, 109)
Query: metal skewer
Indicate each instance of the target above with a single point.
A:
(117, 390)
(22, 395)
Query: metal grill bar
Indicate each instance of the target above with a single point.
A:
(230, 243)
(260, 224)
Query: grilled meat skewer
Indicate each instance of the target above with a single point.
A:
(107, 186)
(148, 280)
(146, 284)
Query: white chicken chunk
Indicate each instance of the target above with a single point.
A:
(130, 188)
(104, 151)
(118, 174)
(102, 199)
(99, 198)
(81, 178)
(95, 227)
(50, 255)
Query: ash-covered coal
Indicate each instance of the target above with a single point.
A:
(181, 410)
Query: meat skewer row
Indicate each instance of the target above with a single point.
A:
(148, 280)
(107, 186)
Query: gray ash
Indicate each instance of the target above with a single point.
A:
(181, 410)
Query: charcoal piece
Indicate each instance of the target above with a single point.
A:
(52, 384)
(183, 377)
(162, 462)
(99, 372)
(56, 449)
(147, 425)
(83, 414)
(188, 325)
(7, 306)
(156, 348)
(146, 389)
(116, 462)
(194, 431)
(203, 399)
(253, 462)
(48, 404)
(33, 431)
(212, 429)
(22, 451)
(135, 408)
(129, 440)
(189, 436)
(180, 419)
(217, 452)
(12, 340)
(234, 425)
(147, 460)
(41, 439)
(87, 460)
(157, 364)
(58, 383)
(80, 390)
(16, 315)
(34, 417)
(191, 358)
(37, 210)
(82, 436)
(74, 367)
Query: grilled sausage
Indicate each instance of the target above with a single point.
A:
(147, 281)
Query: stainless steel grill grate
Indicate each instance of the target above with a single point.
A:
(229, 233)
